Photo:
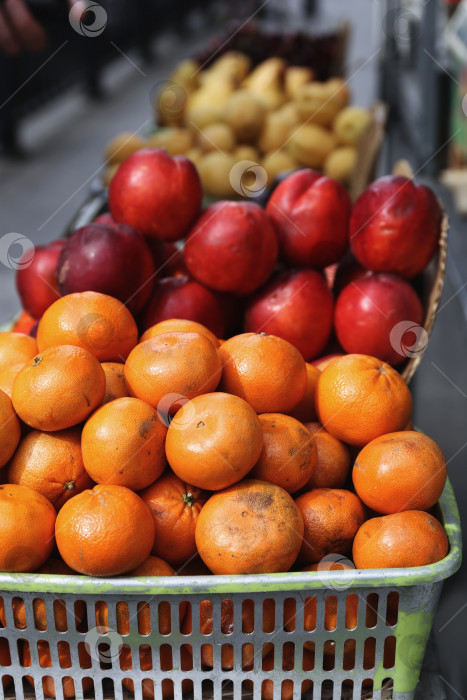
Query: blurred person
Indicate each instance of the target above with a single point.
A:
(20, 29)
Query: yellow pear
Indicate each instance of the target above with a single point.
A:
(340, 163)
(311, 144)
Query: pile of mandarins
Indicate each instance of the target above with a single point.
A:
(180, 452)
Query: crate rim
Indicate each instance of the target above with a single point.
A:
(255, 583)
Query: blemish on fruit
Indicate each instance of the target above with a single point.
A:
(37, 360)
(144, 428)
(201, 424)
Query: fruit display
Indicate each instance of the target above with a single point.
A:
(203, 457)
(188, 402)
(235, 119)
(328, 276)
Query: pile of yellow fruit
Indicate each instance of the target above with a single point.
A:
(275, 115)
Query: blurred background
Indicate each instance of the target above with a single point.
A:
(95, 74)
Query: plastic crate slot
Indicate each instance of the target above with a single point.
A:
(329, 655)
(5, 655)
(371, 619)
(348, 662)
(306, 685)
(19, 613)
(392, 609)
(164, 616)
(389, 658)
(290, 615)
(125, 658)
(186, 625)
(186, 657)
(207, 657)
(308, 656)
(248, 615)
(59, 614)
(84, 657)
(246, 688)
(81, 616)
(347, 688)
(165, 656)
(64, 655)
(369, 651)
(123, 618)
(327, 690)
(227, 657)
(28, 688)
(268, 623)
(367, 688)
(182, 611)
(207, 688)
(309, 621)
(108, 688)
(288, 656)
(351, 611)
(205, 617)
(388, 685)
(144, 621)
(87, 686)
(248, 656)
(20, 646)
(267, 690)
(330, 613)
(227, 688)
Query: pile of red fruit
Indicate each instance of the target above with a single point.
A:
(307, 266)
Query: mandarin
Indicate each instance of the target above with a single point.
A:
(123, 444)
(288, 456)
(179, 324)
(115, 386)
(50, 463)
(214, 441)
(59, 388)
(400, 540)
(400, 471)
(358, 398)
(8, 376)
(170, 368)
(27, 521)
(10, 429)
(305, 410)
(106, 531)
(16, 348)
(265, 370)
(175, 507)
(252, 527)
(333, 459)
(331, 518)
(91, 320)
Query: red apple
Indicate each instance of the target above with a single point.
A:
(37, 283)
(298, 307)
(349, 270)
(114, 260)
(311, 214)
(182, 297)
(232, 247)
(158, 195)
(374, 316)
(395, 226)
(174, 261)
